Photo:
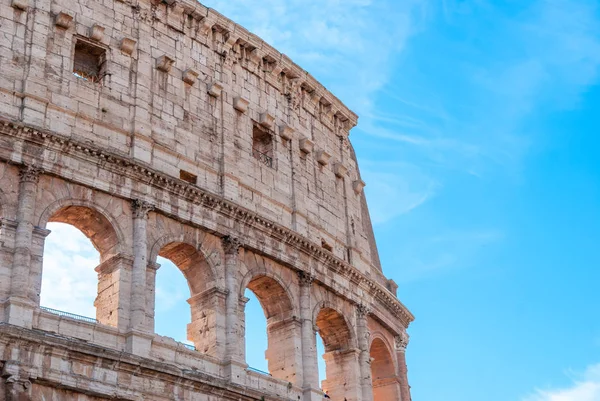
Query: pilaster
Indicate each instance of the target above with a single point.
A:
(310, 373)
(19, 307)
(364, 358)
(139, 344)
(401, 345)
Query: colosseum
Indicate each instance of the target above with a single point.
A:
(162, 128)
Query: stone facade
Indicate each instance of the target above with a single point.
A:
(161, 128)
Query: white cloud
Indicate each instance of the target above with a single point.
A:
(391, 194)
(69, 282)
(584, 388)
(445, 252)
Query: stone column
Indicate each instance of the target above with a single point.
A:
(17, 389)
(138, 341)
(20, 307)
(364, 358)
(151, 295)
(310, 373)
(401, 344)
(235, 351)
(114, 291)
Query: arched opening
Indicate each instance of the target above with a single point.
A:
(171, 307)
(383, 372)
(341, 361)
(283, 330)
(204, 301)
(79, 265)
(256, 340)
(69, 282)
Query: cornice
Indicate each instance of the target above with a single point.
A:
(144, 173)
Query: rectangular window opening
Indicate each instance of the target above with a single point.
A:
(188, 177)
(326, 246)
(89, 62)
(262, 146)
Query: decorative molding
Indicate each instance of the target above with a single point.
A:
(362, 311)
(231, 245)
(305, 279)
(28, 173)
(125, 166)
(402, 341)
(141, 208)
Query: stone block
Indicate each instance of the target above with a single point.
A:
(63, 20)
(240, 104)
(20, 4)
(306, 145)
(190, 76)
(97, 33)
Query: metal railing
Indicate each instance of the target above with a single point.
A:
(69, 315)
(191, 347)
(261, 157)
(262, 372)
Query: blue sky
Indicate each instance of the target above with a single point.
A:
(479, 142)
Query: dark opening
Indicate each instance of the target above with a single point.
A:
(89, 62)
(326, 246)
(188, 177)
(262, 146)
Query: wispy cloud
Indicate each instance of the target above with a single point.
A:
(443, 253)
(69, 281)
(585, 387)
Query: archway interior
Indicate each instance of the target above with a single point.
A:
(183, 265)
(280, 328)
(80, 239)
(336, 337)
(191, 263)
(383, 372)
(93, 224)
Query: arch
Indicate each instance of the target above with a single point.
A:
(273, 294)
(282, 329)
(334, 328)
(383, 370)
(194, 262)
(89, 218)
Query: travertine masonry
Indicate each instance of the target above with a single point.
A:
(161, 128)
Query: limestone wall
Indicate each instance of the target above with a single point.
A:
(161, 128)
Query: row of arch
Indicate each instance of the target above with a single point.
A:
(202, 259)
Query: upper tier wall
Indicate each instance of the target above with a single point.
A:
(182, 89)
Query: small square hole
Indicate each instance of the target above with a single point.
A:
(326, 246)
(89, 62)
(188, 177)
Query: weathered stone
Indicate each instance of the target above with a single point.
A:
(147, 161)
